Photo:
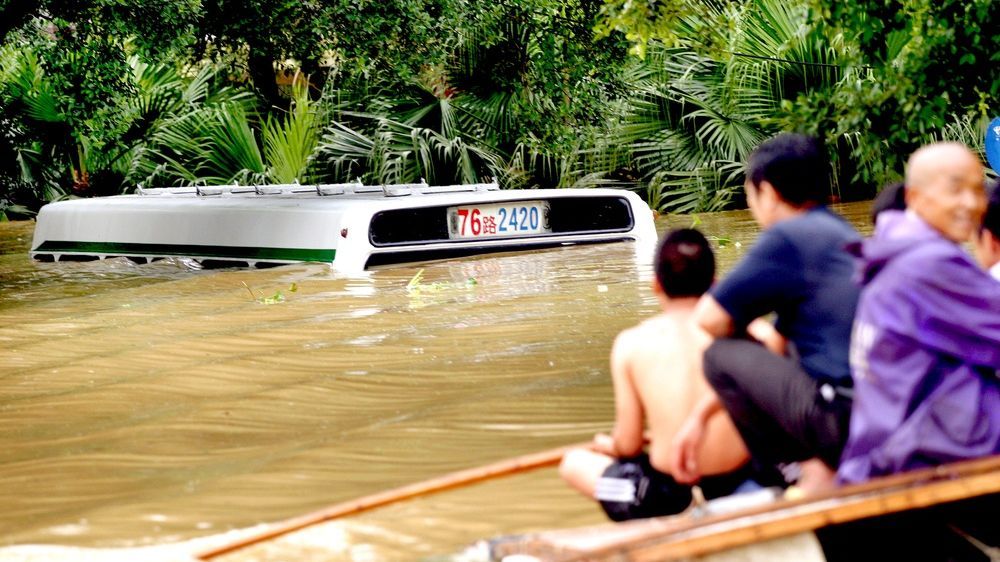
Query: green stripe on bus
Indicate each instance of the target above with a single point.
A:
(188, 250)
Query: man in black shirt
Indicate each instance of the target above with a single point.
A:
(789, 397)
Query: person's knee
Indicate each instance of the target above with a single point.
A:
(573, 464)
(567, 464)
(715, 363)
(581, 468)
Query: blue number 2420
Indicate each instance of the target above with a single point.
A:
(518, 218)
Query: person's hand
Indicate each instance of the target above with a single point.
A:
(683, 459)
(604, 444)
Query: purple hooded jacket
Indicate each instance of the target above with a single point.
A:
(925, 350)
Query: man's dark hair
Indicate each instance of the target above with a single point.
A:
(796, 165)
(991, 220)
(685, 265)
(891, 198)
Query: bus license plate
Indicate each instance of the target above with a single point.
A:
(495, 220)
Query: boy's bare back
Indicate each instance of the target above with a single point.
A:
(659, 363)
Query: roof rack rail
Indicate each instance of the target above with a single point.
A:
(322, 190)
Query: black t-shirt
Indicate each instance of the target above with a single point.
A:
(800, 270)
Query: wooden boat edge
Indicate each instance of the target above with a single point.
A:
(691, 535)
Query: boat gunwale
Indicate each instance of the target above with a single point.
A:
(688, 534)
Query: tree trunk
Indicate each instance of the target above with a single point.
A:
(261, 68)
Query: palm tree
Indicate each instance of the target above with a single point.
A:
(219, 138)
(419, 133)
(508, 106)
(190, 132)
(38, 137)
(292, 142)
(696, 114)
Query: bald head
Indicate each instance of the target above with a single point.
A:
(944, 186)
(930, 162)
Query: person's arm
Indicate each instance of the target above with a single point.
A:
(768, 275)
(958, 310)
(765, 332)
(687, 443)
(712, 318)
(626, 437)
(604, 444)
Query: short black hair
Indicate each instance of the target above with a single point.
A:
(685, 265)
(796, 165)
(991, 220)
(891, 198)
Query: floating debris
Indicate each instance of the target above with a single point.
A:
(416, 284)
(276, 298)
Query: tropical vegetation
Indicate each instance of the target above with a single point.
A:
(666, 97)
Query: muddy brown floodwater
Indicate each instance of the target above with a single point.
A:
(160, 406)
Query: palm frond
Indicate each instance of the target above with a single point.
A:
(234, 145)
(693, 117)
(409, 137)
(289, 143)
(25, 77)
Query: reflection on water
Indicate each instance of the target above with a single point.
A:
(149, 404)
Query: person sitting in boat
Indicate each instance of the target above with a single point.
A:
(656, 375)
(789, 398)
(986, 244)
(925, 347)
(891, 198)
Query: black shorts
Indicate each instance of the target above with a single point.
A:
(632, 489)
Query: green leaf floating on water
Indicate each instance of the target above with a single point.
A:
(276, 298)
(273, 299)
(416, 284)
(417, 277)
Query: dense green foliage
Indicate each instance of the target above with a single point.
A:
(695, 114)
(98, 96)
(903, 72)
(930, 72)
(386, 91)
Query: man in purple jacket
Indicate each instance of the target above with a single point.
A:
(925, 347)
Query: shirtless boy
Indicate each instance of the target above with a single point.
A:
(657, 378)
